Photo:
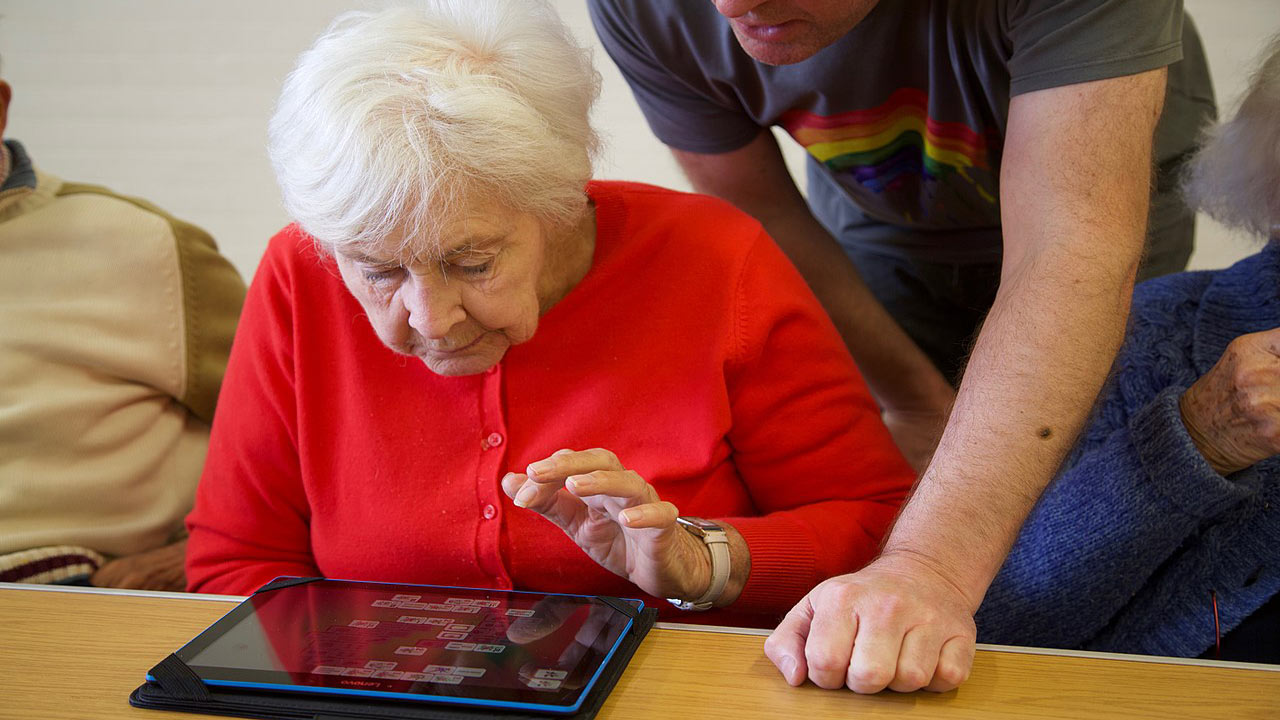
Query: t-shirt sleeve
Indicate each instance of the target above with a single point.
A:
(682, 110)
(1063, 42)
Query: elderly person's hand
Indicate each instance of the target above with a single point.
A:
(617, 518)
(1233, 412)
(159, 569)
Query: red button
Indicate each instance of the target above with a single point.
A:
(493, 441)
(489, 512)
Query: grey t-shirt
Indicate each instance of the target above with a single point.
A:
(907, 112)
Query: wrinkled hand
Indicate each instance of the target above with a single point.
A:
(916, 434)
(1233, 412)
(159, 569)
(617, 518)
(895, 624)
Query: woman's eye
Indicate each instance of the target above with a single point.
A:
(377, 277)
(480, 269)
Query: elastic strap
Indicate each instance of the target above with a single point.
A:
(621, 606)
(179, 681)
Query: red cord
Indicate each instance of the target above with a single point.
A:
(1217, 628)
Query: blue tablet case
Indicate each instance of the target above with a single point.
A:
(176, 687)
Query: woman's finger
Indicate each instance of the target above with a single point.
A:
(659, 514)
(564, 463)
(546, 499)
(625, 485)
(528, 493)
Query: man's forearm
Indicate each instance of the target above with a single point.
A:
(1072, 241)
(1032, 378)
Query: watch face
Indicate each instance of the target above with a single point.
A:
(699, 523)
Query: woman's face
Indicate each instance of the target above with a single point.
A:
(461, 308)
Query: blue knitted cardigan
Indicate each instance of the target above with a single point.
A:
(1124, 548)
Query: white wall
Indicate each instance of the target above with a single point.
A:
(168, 99)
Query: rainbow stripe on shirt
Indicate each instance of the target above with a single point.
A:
(896, 146)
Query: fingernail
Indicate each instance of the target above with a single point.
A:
(577, 482)
(788, 667)
(525, 496)
(629, 516)
(542, 466)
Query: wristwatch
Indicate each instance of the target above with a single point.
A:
(718, 542)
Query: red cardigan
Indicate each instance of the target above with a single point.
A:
(692, 349)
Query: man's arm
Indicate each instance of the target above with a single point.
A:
(1074, 185)
(913, 393)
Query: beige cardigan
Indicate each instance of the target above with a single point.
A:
(115, 324)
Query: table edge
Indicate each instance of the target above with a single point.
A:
(692, 627)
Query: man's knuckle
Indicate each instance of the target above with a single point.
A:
(871, 675)
(845, 594)
(826, 664)
(909, 679)
(950, 675)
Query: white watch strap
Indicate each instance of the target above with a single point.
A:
(718, 542)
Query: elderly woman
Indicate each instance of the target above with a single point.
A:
(467, 364)
(1162, 535)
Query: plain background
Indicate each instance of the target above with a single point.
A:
(169, 100)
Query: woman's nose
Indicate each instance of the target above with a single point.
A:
(435, 307)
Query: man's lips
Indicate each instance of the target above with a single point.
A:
(766, 32)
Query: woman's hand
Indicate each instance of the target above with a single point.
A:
(159, 569)
(1233, 412)
(617, 518)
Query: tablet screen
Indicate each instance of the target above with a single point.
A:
(481, 647)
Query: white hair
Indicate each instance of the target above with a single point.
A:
(395, 119)
(1235, 176)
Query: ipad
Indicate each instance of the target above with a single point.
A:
(491, 648)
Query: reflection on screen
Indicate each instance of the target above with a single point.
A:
(409, 639)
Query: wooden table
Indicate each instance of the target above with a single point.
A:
(78, 654)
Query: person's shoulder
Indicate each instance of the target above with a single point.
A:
(292, 251)
(692, 209)
(104, 207)
(652, 12)
(136, 230)
(672, 30)
(713, 227)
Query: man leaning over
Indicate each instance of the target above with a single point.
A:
(985, 165)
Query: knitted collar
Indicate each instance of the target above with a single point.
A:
(21, 173)
(1242, 299)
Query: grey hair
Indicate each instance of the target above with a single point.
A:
(394, 120)
(1235, 176)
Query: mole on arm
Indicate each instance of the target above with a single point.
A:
(1045, 433)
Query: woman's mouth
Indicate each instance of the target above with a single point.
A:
(454, 350)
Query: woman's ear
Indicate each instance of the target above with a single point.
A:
(6, 94)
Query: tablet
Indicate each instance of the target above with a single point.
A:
(489, 648)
